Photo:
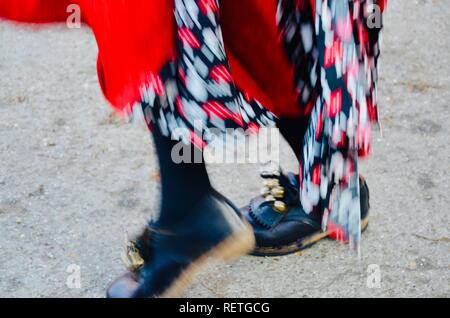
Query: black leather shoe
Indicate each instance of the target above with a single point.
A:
(166, 260)
(280, 224)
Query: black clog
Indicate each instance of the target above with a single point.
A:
(280, 224)
(164, 261)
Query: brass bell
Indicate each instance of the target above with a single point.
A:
(270, 198)
(271, 183)
(280, 206)
(278, 192)
(131, 257)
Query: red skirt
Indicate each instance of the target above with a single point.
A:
(138, 38)
(240, 64)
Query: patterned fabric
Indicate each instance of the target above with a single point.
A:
(334, 54)
(195, 97)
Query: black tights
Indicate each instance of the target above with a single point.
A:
(184, 184)
(293, 130)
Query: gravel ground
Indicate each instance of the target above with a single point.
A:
(73, 178)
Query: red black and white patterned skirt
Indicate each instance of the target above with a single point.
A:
(333, 46)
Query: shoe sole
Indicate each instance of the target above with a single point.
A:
(300, 245)
(238, 244)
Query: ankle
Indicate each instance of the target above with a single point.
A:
(177, 208)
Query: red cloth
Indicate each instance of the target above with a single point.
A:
(136, 38)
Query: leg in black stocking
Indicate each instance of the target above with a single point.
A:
(293, 130)
(196, 223)
(183, 184)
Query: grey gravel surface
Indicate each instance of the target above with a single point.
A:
(73, 178)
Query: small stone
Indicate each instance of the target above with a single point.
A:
(48, 143)
(19, 221)
(413, 265)
(39, 192)
(156, 176)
